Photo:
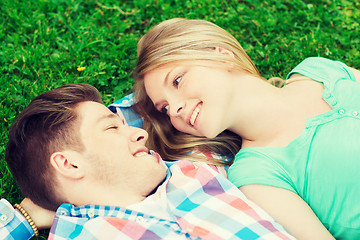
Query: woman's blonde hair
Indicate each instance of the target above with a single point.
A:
(174, 41)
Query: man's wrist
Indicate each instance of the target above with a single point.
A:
(28, 218)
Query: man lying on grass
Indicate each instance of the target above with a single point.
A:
(70, 153)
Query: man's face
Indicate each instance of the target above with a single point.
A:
(115, 154)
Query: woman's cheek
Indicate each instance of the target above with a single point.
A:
(181, 126)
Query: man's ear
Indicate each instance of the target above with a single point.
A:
(224, 51)
(66, 165)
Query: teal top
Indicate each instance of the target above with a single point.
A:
(322, 165)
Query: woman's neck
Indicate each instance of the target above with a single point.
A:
(258, 111)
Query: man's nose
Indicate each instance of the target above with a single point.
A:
(139, 135)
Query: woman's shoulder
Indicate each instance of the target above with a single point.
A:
(322, 69)
(254, 167)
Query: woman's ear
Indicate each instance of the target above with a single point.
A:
(230, 66)
(224, 51)
(65, 163)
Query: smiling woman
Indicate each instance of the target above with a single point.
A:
(194, 40)
(195, 87)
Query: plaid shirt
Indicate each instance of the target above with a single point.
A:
(203, 204)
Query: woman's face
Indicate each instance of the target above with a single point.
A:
(194, 97)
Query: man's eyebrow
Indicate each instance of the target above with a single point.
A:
(107, 116)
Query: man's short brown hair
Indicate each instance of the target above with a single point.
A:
(47, 125)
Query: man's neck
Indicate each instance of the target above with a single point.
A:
(99, 195)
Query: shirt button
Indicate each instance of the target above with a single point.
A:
(91, 213)
(355, 113)
(341, 111)
(140, 219)
(175, 227)
(3, 218)
(327, 95)
(63, 212)
(125, 101)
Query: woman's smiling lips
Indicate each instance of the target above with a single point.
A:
(195, 113)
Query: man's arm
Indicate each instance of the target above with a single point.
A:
(42, 217)
(288, 209)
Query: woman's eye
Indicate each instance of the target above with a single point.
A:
(164, 109)
(177, 80)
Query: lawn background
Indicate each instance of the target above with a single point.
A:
(43, 43)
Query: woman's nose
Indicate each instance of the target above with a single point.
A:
(176, 109)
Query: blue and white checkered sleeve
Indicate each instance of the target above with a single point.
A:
(124, 107)
(13, 226)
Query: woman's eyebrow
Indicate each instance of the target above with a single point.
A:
(156, 105)
(168, 75)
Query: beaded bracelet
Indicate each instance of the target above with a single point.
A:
(28, 219)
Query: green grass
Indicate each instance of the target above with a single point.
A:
(43, 42)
